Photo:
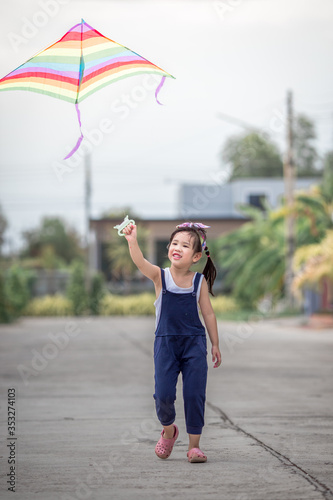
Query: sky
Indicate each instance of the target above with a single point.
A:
(234, 57)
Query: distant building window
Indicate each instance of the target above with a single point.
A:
(257, 200)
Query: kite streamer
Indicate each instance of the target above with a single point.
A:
(159, 88)
(80, 139)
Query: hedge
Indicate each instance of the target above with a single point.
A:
(114, 305)
(223, 304)
(49, 305)
(128, 305)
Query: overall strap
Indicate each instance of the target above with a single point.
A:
(196, 283)
(163, 281)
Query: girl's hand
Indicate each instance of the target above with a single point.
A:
(216, 356)
(130, 232)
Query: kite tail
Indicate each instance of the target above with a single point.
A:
(158, 89)
(77, 145)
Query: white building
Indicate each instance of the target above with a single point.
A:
(221, 200)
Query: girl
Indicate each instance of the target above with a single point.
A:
(180, 338)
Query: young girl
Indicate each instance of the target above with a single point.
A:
(180, 338)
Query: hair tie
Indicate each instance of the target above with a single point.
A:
(199, 227)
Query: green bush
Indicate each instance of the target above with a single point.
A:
(4, 312)
(49, 305)
(222, 304)
(97, 292)
(76, 291)
(107, 304)
(16, 293)
(130, 305)
(143, 305)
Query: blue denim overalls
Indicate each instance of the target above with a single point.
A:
(180, 346)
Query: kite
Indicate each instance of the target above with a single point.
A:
(79, 64)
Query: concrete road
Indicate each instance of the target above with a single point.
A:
(85, 425)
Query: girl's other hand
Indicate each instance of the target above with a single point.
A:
(130, 232)
(216, 356)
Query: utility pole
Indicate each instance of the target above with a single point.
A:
(87, 206)
(289, 174)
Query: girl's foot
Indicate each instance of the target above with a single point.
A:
(196, 455)
(164, 446)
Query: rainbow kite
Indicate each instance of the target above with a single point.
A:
(80, 63)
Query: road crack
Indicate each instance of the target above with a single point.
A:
(326, 492)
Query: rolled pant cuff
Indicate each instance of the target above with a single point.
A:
(167, 423)
(193, 430)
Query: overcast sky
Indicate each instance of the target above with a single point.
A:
(237, 57)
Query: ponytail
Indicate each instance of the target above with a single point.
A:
(209, 272)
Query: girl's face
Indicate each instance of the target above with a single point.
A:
(181, 252)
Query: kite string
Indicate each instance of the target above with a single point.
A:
(77, 145)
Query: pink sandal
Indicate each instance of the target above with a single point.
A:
(164, 446)
(196, 455)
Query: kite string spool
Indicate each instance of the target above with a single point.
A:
(124, 224)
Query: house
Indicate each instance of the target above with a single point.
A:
(221, 200)
(159, 231)
(212, 204)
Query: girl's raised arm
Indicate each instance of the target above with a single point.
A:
(150, 270)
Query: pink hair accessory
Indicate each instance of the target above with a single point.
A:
(200, 228)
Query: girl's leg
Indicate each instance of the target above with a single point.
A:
(194, 440)
(194, 370)
(166, 375)
(169, 431)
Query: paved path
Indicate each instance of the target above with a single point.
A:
(86, 425)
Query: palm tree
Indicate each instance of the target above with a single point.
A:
(313, 212)
(121, 264)
(314, 266)
(253, 256)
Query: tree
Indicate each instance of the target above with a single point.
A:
(306, 156)
(97, 292)
(121, 265)
(76, 290)
(252, 155)
(254, 254)
(16, 291)
(53, 239)
(314, 265)
(3, 227)
(5, 316)
(255, 155)
(313, 215)
(327, 181)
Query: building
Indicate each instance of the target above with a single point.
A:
(221, 200)
(158, 233)
(213, 204)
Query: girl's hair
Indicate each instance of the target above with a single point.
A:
(209, 271)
